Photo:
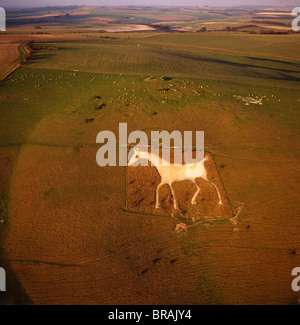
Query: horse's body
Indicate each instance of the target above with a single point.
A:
(173, 173)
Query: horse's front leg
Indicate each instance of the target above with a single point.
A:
(157, 205)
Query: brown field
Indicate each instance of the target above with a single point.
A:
(8, 54)
(18, 39)
(10, 58)
(168, 17)
(103, 20)
(276, 13)
(76, 13)
(126, 28)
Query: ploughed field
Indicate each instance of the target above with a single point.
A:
(66, 233)
(8, 55)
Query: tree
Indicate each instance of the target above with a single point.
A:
(201, 30)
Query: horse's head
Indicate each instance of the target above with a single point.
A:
(135, 157)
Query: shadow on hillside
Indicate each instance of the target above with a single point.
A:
(15, 293)
(38, 57)
(274, 61)
(280, 74)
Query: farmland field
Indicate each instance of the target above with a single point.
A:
(8, 54)
(66, 235)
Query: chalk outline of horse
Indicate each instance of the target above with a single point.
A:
(168, 174)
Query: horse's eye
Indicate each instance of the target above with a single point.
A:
(137, 156)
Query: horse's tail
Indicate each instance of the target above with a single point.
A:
(203, 160)
(197, 164)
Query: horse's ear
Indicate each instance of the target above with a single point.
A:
(134, 150)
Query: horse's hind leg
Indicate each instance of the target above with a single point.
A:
(174, 199)
(219, 196)
(197, 192)
(157, 206)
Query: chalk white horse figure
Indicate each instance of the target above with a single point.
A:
(173, 173)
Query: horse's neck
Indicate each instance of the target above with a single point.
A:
(154, 159)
